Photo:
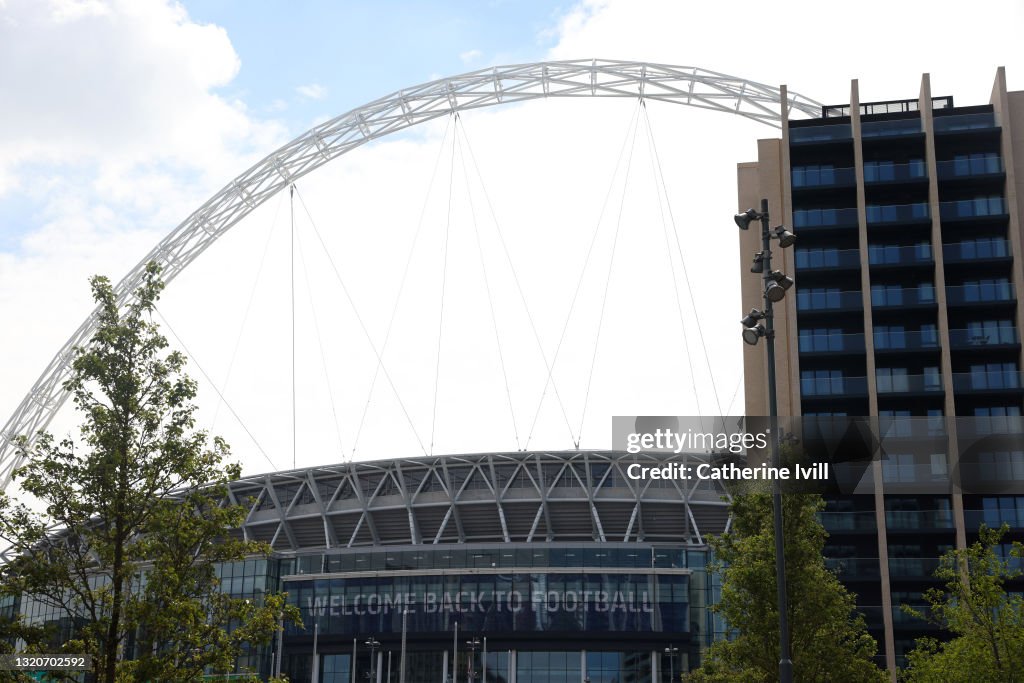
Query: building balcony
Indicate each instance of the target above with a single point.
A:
(918, 520)
(811, 300)
(905, 621)
(884, 214)
(832, 132)
(993, 206)
(840, 522)
(815, 177)
(888, 384)
(840, 386)
(890, 128)
(822, 343)
(977, 250)
(984, 339)
(980, 293)
(995, 381)
(848, 568)
(880, 172)
(902, 297)
(993, 519)
(804, 219)
(964, 122)
(895, 341)
(916, 428)
(826, 259)
(883, 255)
(981, 166)
(912, 567)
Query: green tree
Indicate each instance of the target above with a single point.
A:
(132, 516)
(829, 641)
(987, 622)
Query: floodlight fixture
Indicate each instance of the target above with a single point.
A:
(743, 219)
(781, 279)
(758, 265)
(774, 292)
(784, 236)
(752, 334)
(750, 319)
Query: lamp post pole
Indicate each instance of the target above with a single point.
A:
(785, 662)
(758, 324)
(671, 651)
(373, 644)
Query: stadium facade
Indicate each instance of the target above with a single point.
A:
(908, 306)
(558, 564)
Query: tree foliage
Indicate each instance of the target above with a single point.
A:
(133, 515)
(829, 640)
(987, 622)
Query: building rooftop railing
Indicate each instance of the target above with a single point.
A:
(885, 107)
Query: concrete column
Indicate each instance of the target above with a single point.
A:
(949, 406)
(872, 381)
(1009, 108)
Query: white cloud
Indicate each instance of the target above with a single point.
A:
(113, 132)
(470, 56)
(118, 84)
(312, 91)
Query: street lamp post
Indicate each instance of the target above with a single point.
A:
(776, 285)
(373, 644)
(473, 645)
(671, 651)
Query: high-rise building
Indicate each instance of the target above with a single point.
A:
(909, 302)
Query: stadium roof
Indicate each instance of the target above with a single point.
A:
(479, 498)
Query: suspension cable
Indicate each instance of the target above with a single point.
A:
(607, 282)
(291, 204)
(195, 360)
(662, 200)
(248, 308)
(735, 392)
(320, 343)
(401, 286)
(359, 319)
(519, 286)
(490, 299)
(682, 261)
(630, 134)
(444, 282)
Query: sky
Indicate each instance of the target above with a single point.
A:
(121, 117)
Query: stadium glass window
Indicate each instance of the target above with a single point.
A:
(336, 669)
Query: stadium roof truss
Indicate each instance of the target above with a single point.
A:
(494, 497)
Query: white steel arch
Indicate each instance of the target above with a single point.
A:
(691, 86)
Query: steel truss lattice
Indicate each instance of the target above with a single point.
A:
(481, 498)
(691, 86)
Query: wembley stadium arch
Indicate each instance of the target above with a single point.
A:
(521, 567)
